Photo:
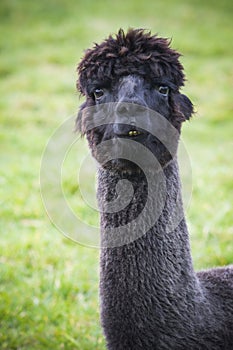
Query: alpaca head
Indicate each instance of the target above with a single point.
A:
(131, 83)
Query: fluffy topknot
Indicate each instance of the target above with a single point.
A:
(134, 52)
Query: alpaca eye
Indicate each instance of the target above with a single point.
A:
(98, 93)
(164, 90)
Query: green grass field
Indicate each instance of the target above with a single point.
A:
(49, 284)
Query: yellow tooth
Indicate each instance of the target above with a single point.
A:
(133, 133)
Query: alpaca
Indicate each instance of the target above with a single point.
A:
(150, 296)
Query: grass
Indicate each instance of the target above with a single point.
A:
(49, 284)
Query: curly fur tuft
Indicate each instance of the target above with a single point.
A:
(134, 52)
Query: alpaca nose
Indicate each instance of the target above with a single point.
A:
(129, 109)
(126, 113)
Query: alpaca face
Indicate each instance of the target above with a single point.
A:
(132, 93)
(138, 93)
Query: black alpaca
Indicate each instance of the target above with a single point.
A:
(150, 296)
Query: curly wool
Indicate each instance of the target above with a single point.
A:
(136, 52)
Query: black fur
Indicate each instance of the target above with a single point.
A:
(150, 296)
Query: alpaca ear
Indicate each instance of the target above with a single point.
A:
(78, 120)
(183, 106)
(187, 107)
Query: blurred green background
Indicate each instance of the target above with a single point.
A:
(49, 284)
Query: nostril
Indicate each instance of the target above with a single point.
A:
(122, 109)
(141, 109)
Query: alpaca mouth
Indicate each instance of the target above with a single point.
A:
(126, 130)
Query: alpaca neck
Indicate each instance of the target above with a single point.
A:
(163, 250)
